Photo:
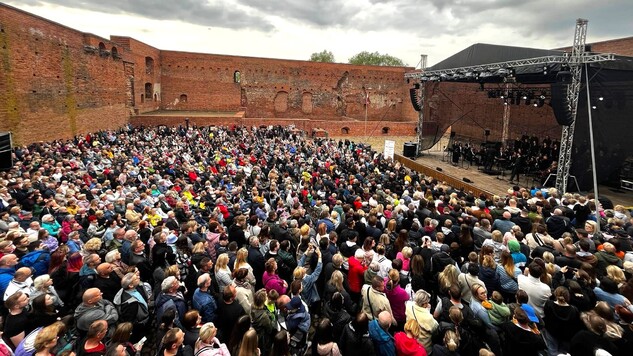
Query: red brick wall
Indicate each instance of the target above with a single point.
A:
(50, 86)
(283, 88)
(620, 46)
(470, 111)
(139, 73)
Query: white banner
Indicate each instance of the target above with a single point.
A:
(389, 149)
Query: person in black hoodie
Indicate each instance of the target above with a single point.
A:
(520, 338)
(586, 342)
(355, 337)
(562, 322)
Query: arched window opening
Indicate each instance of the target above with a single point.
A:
(385, 130)
(115, 53)
(148, 91)
(237, 77)
(183, 98)
(345, 131)
(149, 65)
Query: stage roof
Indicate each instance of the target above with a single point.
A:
(482, 53)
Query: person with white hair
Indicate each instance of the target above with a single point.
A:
(420, 310)
(203, 301)
(44, 285)
(170, 297)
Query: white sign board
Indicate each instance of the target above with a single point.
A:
(389, 149)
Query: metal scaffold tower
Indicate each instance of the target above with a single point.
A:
(576, 63)
(576, 60)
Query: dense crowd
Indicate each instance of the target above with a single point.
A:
(259, 241)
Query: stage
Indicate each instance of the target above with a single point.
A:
(499, 184)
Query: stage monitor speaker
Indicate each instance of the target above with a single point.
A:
(414, 100)
(6, 146)
(467, 180)
(439, 169)
(559, 104)
(410, 149)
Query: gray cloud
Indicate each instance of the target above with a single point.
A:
(319, 13)
(199, 12)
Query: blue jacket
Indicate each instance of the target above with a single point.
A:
(383, 341)
(310, 293)
(6, 275)
(299, 319)
(205, 304)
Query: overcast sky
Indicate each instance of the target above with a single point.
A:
(294, 29)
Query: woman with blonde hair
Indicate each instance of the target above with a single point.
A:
(44, 285)
(248, 347)
(46, 340)
(489, 275)
(222, 272)
(447, 278)
(616, 274)
(335, 284)
(451, 343)
(208, 344)
(241, 262)
(407, 341)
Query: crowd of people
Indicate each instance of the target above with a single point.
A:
(259, 241)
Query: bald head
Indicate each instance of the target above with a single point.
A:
(384, 319)
(507, 215)
(104, 269)
(22, 274)
(282, 300)
(9, 260)
(91, 296)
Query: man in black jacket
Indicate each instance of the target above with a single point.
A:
(133, 304)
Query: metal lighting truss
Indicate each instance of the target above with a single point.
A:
(567, 138)
(420, 99)
(488, 70)
(575, 60)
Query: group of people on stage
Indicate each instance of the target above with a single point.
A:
(527, 155)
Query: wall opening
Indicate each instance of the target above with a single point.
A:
(148, 91)
(149, 65)
(385, 130)
(306, 103)
(115, 53)
(183, 98)
(345, 130)
(281, 101)
(155, 96)
(103, 51)
(142, 98)
(237, 77)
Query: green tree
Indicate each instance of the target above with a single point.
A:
(324, 56)
(376, 59)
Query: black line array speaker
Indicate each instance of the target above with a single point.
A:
(559, 104)
(6, 159)
(414, 100)
(410, 149)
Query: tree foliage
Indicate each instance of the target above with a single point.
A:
(324, 56)
(376, 59)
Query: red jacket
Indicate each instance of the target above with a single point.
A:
(356, 275)
(406, 346)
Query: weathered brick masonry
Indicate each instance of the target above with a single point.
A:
(56, 82)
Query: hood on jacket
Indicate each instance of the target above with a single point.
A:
(407, 346)
(377, 333)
